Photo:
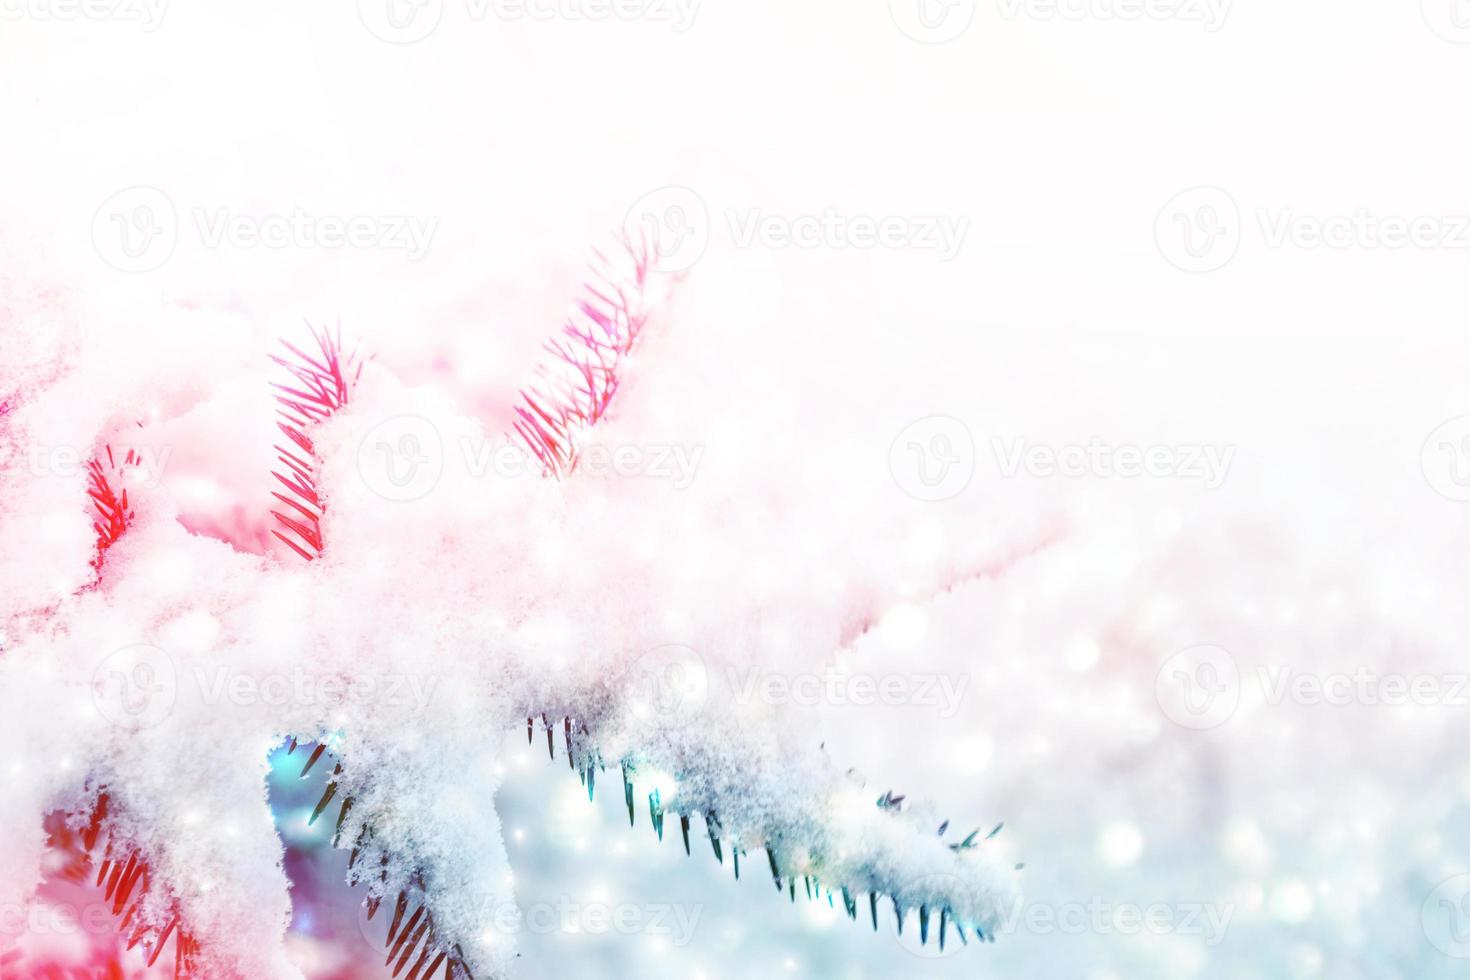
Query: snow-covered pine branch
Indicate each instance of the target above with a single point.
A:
(489, 601)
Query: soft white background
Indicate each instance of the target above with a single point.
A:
(1061, 139)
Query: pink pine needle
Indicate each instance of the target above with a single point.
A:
(320, 385)
(575, 389)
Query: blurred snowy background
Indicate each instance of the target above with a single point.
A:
(1181, 280)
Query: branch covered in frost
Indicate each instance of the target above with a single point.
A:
(575, 388)
(707, 762)
(523, 598)
(110, 502)
(320, 385)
